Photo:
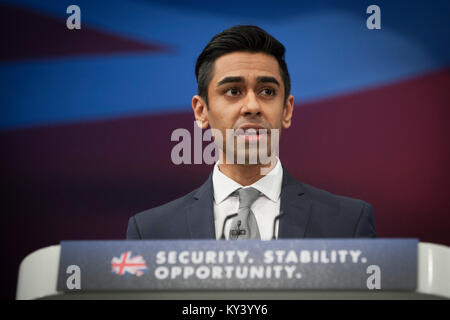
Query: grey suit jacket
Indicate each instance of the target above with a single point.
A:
(308, 212)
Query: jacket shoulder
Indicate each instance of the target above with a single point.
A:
(338, 216)
(148, 223)
(331, 199)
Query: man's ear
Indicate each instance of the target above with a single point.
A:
(200, 111)
(287, 112)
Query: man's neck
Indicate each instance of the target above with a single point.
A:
(244, 174)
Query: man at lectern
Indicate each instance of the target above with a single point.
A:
(244, 98)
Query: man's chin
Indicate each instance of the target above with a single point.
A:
(252, 157)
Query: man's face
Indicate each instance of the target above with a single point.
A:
(246, 92)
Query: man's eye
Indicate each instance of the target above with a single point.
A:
(232, 92)
(268, 91)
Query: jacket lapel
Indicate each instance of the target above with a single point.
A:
(295, 206)
(200, 214)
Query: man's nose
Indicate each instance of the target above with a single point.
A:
(251, 104)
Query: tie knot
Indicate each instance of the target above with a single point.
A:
(247, 196)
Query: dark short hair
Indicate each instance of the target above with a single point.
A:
(244, 38)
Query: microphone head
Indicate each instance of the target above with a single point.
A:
(223, 226)
(275, 224)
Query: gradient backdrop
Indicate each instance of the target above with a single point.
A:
(86, 115)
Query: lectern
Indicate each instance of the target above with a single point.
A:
(248, 269)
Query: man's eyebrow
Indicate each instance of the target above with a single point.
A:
(267, 79)
(230, 80)
(261, 79)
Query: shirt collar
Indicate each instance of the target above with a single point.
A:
(269, 185)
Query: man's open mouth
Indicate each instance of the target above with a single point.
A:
(251, 134)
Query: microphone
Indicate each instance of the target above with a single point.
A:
(275, 223)
(224, 222)
(235, 214)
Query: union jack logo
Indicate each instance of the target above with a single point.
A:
(126, 263)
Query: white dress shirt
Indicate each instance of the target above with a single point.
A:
(265, 208)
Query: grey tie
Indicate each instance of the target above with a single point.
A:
(244, 225)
